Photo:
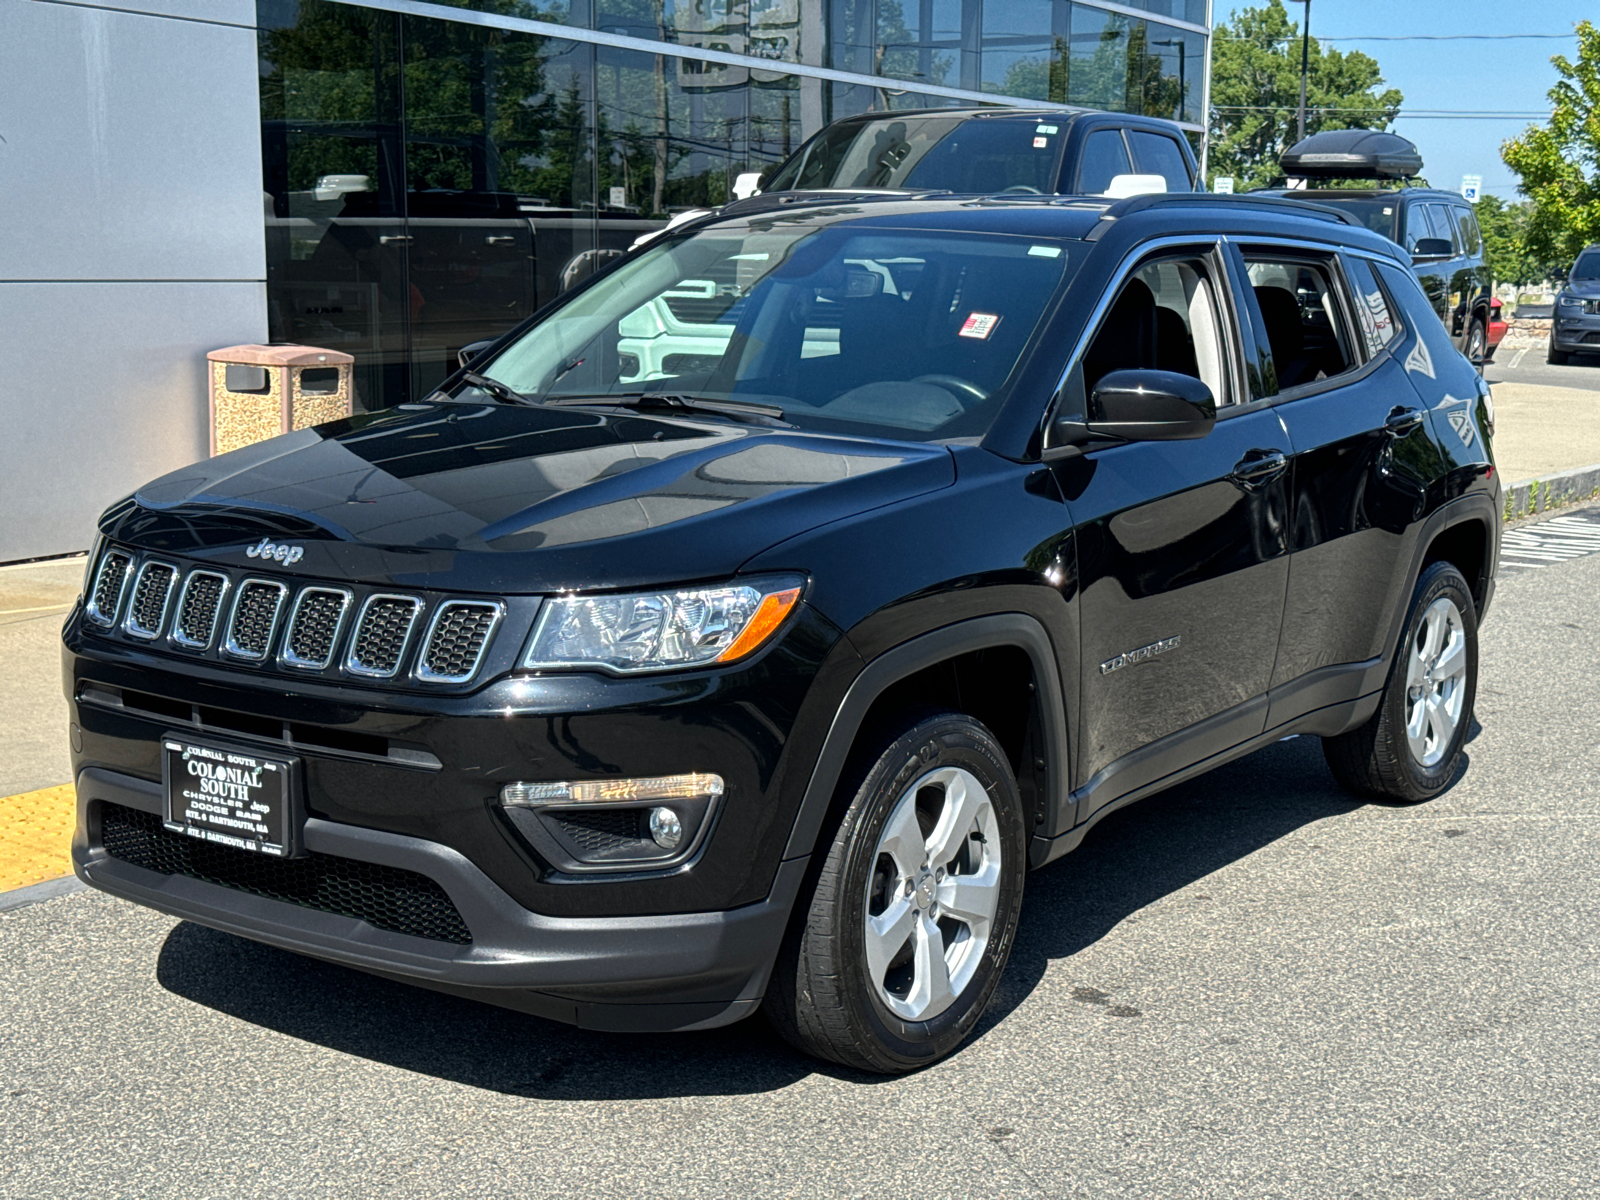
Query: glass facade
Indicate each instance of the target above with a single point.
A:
(432, 180)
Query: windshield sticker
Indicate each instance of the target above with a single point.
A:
(978, 325)
(1045, 251)
(1039, 143)
(1044, 128)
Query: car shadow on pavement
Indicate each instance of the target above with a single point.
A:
(1131, 859)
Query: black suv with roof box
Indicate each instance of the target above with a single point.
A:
(1437, 228)
(639, 694)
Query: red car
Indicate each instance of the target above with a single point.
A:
(1496, 330)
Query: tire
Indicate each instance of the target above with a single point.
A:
(1558, 358)
(935, 784)
(1477, 344)
(1411, 748)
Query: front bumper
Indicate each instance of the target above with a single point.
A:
(671, 971)
(1569, 333)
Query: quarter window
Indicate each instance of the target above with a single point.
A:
(1299, 320)
(1373, 312)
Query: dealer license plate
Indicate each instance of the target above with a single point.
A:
(232, 797)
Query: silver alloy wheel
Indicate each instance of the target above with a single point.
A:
(1436, 681)
(1477, 344)
(932, 893)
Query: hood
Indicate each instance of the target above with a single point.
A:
(503, 499)
(1585, 289)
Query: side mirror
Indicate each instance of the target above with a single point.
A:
(1432, 248)
(467, 354)
(1142, 406)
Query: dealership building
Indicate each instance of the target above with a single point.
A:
(393, 179)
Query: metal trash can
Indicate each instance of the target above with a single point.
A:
(258, 392)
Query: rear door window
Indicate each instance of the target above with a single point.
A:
(1443, 227)
(1105, 156)
(1467, 224)
(1157, 154)
(1299, 318)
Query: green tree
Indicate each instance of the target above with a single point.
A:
(1255, 93)
(1505, 244)
(1558, 165)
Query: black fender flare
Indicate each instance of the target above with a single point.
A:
(1473, 506)
(981, 633)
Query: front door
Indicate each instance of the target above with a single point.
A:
(1182, 557)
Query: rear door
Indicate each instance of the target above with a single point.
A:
(1362, 455)
(1182, 553)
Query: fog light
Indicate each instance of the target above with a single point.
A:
(665, 828)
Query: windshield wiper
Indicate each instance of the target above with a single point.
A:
(742, 409)
(502, 393)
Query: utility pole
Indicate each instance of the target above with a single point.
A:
(1305, 54)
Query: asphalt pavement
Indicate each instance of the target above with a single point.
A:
(1250, 986)
(1547, 418)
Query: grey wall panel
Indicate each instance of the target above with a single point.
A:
(132, 146)
(227, 12)
(102, 387)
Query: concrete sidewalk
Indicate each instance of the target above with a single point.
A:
(1541, 430)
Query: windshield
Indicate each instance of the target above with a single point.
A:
(901, 333)
(1587, 266)
(929, 153)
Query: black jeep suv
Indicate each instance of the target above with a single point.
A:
(639, 686)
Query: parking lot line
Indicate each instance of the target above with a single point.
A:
(36, 836)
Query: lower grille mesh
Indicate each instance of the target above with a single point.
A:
(384, 897)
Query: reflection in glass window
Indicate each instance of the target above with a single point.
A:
(1097, 69)
(1020, 49)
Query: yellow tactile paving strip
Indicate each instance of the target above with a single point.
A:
(36, 836)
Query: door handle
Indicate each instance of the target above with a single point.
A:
(1402, 421)
(395, 239)
(500, 239)
(1259, 468)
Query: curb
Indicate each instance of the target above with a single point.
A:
(35, 893)
(1564, 489)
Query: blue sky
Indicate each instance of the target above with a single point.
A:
(1499, 75)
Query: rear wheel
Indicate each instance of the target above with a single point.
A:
(915, 905)
(1410, 749)
(1477, 344)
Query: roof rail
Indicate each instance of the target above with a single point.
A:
(1137, 204)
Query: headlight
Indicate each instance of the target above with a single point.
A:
(661, 631)
(1571, 302)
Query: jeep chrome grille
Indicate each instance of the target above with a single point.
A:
(382, 635)
(292, 626)
(109, 584)
(315, 623)
(255, 618)
(457, 640)
(198, 606)
(152, 592)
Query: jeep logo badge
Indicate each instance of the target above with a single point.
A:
(284, 553)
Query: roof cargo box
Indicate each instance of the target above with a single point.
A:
(1352, 154)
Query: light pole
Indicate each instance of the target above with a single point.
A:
(1305, 52)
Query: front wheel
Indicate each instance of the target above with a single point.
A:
(915, 905)
(1556, 357)
(1410, 749)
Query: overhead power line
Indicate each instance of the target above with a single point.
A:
(1417, 37)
